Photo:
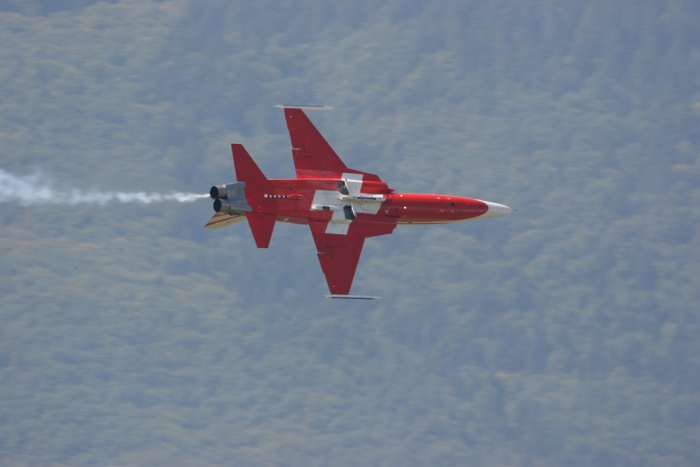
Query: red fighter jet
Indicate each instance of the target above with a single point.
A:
(342, 206)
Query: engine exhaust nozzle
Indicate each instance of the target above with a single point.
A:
(218, 192)
(222, 206)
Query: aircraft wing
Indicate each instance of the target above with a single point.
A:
(339, 254)
(313, 156)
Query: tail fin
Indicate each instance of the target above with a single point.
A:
(246, 168)
(261, 224)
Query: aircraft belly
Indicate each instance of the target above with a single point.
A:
(440, 218)
(337, 228)
(292, 219)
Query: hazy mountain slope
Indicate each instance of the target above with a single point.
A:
(565, 333)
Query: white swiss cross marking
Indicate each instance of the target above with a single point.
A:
(327, 200)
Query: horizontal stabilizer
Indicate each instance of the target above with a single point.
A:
(246, 168)
(352, 297)
(261, 225)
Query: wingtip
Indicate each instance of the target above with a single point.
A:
(352, 297)
(304, 107)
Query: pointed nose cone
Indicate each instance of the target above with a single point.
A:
(496, 210)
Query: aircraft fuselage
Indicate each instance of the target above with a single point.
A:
(299, 201)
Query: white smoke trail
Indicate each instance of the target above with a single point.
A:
(36, 189)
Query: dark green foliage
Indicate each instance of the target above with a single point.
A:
(564, 334)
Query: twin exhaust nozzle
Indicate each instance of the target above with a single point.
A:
(218, 192)
(219, 195)
(230, 198)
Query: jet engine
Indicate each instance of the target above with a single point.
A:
(230, 198)
(222, 206)
(218, 192)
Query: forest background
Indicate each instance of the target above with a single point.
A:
(563, 334)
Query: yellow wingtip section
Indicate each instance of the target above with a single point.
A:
(221, 219)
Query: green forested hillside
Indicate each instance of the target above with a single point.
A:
(563, 334)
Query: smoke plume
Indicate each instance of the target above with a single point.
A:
(36, 189)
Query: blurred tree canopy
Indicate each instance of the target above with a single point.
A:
(564, 334)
